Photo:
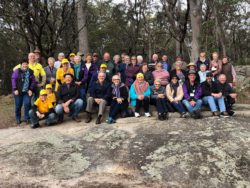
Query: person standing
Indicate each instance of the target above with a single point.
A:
(131, 71)
(60, 57)
(50, 71)
(228, 69)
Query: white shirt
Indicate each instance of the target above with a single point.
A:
(57, 64)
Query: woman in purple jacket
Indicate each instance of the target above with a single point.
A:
(131, 71)
(192, 95)
(23, 82)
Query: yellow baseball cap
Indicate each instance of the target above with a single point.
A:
(43, 92)
(72, 54)
(139, 75)
(65, 60)
(103, 66)
(48, 86)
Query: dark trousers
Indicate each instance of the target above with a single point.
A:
(22, 98)
(142, 103)
(161, 105)
(116, 108)
(82, 94)
(178, 106)
(229, 101)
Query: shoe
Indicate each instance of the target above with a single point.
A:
(76, 119)
(18, 122)
(89, 118)
(165, 116)
(27, 122)
(197, 114)
(224, 114)
(110, 120)
(137, 114)
(183, 115)
(216, 113)
(160, 117)
(98, 120)
(147, 114)
(35, 126)
(230, 113)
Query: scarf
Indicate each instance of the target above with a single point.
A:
(175, 87)
(77, 69)
(26, 79)
(116, 90)
(140, 88)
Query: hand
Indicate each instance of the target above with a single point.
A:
(140, 97)
(192, 103)
(68, 102)
(219, 95)
(98, 101)
(16, 92)
(52, 81)
(30, 93)
(119, 100)
(78, 83)
(42, 116)
(233, 95)
(176, 101)
(66, 108)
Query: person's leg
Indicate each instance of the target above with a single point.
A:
(211, 102)
(221, 104)
(146, 104)
(26, 101)
(76, 107)
(138, 105)
(83, 96)
(59, 111)
(90, 103)
(114, 109)
(188, 105)
(160, 106)
(33, 118)
(102, 107)
(179, 107)
(50, 119)
(197, 105)
(18, 106)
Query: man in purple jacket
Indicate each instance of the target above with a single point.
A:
(192, 95)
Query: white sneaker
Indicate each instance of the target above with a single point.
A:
(137, 115)
(147, 114)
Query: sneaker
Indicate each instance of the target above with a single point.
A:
(160, 117)
(147, 114)
(137, 114)
(197, 114)
(76, 119)
(224, 114)
(165, 116)
(110, 120)
(216, 113)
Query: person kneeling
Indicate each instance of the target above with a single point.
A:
(192, 95)
(139, 94)
(42, 109)
(100, 94)
(158, 98)
(119, 102)
(68, 99)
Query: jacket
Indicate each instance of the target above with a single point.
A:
(131, 72)
(50, 73)
(64, 93)
(154, 92)
(163, 75)
(208, 89)
(170, 93)
(194, 90)
(123, 93)
(225, 88)
(17, 80)
(102, 91)
(148, 76)
(111, 68)
(199, 62)
(134, 96)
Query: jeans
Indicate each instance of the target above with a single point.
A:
(116, 108)
(160, 104)
(74, 108)
(142, 103)
(191, 108)
(179, 107)
(49, 119)
(211, 101)
(22, 98)
(83, 96)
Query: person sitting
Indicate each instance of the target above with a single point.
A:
(192, 95)
(50, 71)
(192, 67)
(228, 93)
(175, 94)
(202, 60)
(228, 69)
(165, 63)
(181, 74)
(212, 95)
(100, 94)
(158, 98)
(42, 109)
(139, 95)
(161, 74)
(202, 73)
(148, 76)
(68, 99)
(50, 94)
(103, 68)
(23, 83)
(119, 103)
(131, 71)
(62, 71)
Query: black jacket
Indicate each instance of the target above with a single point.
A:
(148, 76)
(101, 91)
(208, 89)
(226, 89)
(64, 93)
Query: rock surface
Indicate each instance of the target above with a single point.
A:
(212, 152)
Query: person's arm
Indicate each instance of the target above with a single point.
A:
(153, 95)
(59, 96)
(77, 93)
(33, 82)
(133, 94)
(179, 95)
(43, 75)
(234, 74)
(108, 92)
(205, 90)
(185, 91)
(198, 93)
(147, 92)
(14, 79)
(169, 93)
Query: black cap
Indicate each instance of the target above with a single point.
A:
(192, 72)
(209, 74)
(174, 76)
(68, 74)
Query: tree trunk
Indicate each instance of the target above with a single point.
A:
(195, 16)
(177, 47)
(82, 26)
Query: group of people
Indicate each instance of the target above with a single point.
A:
(127, 84)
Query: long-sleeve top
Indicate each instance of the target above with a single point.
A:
(50, 73)
(192, 92)
(155, 92)
(209, 88)
(148, 77)
(225, 88)
(66, 92)
(163, 75)
(134, 95)
(215, 67)
(170, 93)
(200, 62)
(102, 91)
(130, 73)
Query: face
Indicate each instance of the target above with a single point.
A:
(37, 56)
(140, 79)
(215, 56)
(202, 55)
(139, 60)
(178, 59)
(164, 58)
(95, 58)
(72, 58)
(155, 57)
(209, 78)
(77, 59)
(116, 80)
(51, 63)
(192, 67)
(174, 80)
(224, 60)
(192, 77)
(43, 97)
(49, 90)
(157, 85)
(133, 60)
(32, 57)
(116, 59)
(127, 59)
(102, 69)
(144, 68)
(222, 79)
(65, 65)
(68, 79)
(203, 68)
(60, 57)
(101, 77)
(158, 66)
(177, 66)
(25, 65)
(89, 58)
(106, 57)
